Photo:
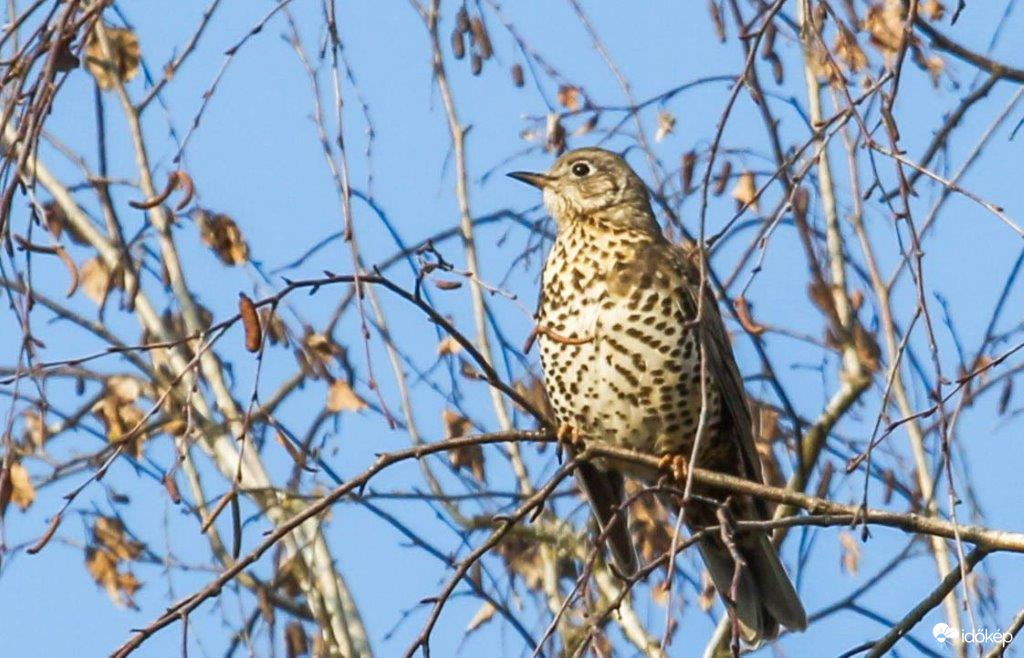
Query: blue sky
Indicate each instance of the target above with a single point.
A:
(256, 157)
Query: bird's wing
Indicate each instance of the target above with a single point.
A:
(722, 369)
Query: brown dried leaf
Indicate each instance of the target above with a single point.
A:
(723, 178)
(96, 282)
(745, 191)
(884, 23)
(554, 134)
(458, 44)
(686, 171)
(35, 428)
(273, 325)
(57, 223)
(448, 345)
(221, 233)
(250, 322)
(120, 416)
(470, 456)
(666, 125)
(18, 488)
(295, 641)
(108, 531)
(482, 616)
(652, 528)
(933, 10)
(849, 549)
(517, 75)
(535, 393)
(848, 51)
(123, 63)
(480, 38)
(120, 585)
(706, 600)
(569, 97)
(341, 397)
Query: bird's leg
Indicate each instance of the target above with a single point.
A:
(676, 465)
(571, 437)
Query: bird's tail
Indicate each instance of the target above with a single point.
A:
(605, 490)
(764, 595)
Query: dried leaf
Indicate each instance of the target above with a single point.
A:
(96, 282)
(555, 134)
(470, 456)
(120, 585)
(569, 97)
(482, 616)
(221, 233)
(17, 488)
(123, 63)
(480, 38)
(273, 325)
(933, 10)
(652, 528)
(250, 322)
(119, 414)
(295, 641)
(666, 125)
(745, 191)
(448, 345)
(458, 44)
(108, 531)
(849, 51)
(686, 171)
(517, 75)
(706, 600)
(849, 549)
(35, 428)
(723, 178)
(57, 223)
(884, 23)
(341, 397)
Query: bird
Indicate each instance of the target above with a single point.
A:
(635, 355)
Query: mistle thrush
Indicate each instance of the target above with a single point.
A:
(621, 339)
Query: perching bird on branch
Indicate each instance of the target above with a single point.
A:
(635, 356)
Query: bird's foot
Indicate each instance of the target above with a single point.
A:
(570, 436)
(678, 466)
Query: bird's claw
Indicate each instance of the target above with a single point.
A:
(677, 466)
(570, 436)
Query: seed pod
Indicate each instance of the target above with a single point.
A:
(462, 20)
(777, 71)
(689, 160)
(480, 37)
(458, 45)
(768, 43)
(716, 19)
(517, 75)
(250, 322)
(476, 64)
(172, 488)
(723, 178)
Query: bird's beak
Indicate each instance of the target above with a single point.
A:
(537, 180)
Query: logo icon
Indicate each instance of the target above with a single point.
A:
(943, 633)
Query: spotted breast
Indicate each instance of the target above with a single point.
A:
(618, 345)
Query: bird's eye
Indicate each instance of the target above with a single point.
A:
(580, 169)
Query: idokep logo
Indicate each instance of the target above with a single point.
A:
(945, 634)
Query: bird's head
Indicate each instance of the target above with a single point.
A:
(592, 184)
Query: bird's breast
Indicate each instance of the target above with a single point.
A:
(621, 361)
